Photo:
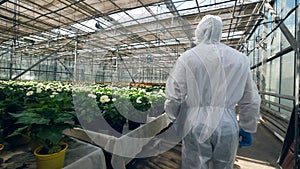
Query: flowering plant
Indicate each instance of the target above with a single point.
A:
(95, 108)
(106, 101)
(36, 106)
(85, 105)
(140, 101)
(48, 111)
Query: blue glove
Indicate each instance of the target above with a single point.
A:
(245, 138)
(175, 125)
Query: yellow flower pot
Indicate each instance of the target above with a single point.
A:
(50, 161)
(1, 146)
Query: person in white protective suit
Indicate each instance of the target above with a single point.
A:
(202, 90)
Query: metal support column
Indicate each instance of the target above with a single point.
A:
(14, 41)
(75, 77)
(297, 87)
(11, 62)
(292, 41)
(55, 70)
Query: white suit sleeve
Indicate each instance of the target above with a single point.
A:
(175, 90)
(249, 106)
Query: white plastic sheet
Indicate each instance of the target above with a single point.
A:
(81, 154)
(128, 146)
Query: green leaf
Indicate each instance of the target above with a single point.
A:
(64, 117)
(16, 115)
(52, 134)
(54, 149)
(32, 118)
(19, 131)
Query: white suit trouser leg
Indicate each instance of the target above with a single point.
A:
(218, 152)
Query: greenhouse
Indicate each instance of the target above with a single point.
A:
(136, 84)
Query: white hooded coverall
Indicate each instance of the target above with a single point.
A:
(202, 90)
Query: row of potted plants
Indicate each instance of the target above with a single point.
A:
(36, 113)
(40, 111)
(116, 104)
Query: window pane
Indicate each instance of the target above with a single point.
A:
(272, 74)
(286, 114)
(287, 74)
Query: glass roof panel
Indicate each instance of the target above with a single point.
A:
(155, 23)
(141, 14)
(232, 35)
(123, 18)
(138, 13)
(183, 5)
(161, 11)
(119, 17)
(86, 26)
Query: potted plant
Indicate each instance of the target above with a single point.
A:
(111, 114)
(140, 104)
(96, 111)
(87, 110)
(11, 101)
(45, 118)
(157, 100)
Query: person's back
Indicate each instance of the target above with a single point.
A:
(202, 90)
(234, 63)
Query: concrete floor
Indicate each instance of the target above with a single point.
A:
(263, 154)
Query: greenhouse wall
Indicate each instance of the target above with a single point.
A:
(53, 68)
(273, 64)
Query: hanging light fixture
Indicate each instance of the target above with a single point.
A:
(149, 58)
(98, 25)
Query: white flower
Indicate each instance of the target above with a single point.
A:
(114, 99)
(38, 90)
(54, 93)
(138, 100)
(29, 93)
(104, 99)
(142, 90)
(91, 95)
(52, 96)
(59, 89)
(47, 87)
